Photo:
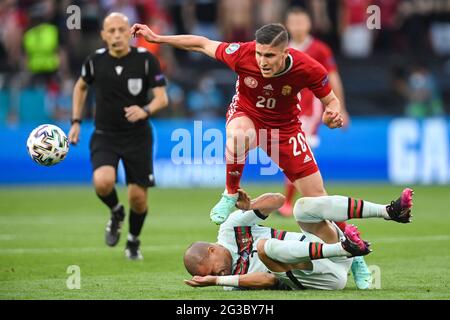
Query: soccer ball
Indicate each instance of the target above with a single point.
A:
(47, 145)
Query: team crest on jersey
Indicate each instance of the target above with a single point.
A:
(232, 48)
(251, 82)
(134, 86)
(286, 90)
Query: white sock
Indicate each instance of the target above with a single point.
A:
(294, 251)
(117, 207)
(132, 238)
(336, 208)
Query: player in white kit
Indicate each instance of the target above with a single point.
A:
(251, 256)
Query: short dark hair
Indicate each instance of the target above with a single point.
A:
(297, 10)
(273, 34)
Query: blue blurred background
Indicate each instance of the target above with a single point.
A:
(394, 137)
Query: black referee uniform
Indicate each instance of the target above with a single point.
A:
(119, 83)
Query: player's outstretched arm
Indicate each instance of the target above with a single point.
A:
(265, 203)
(254, 280)
(185, 42)
(78, 100)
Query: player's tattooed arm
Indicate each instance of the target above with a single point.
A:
(265, 203)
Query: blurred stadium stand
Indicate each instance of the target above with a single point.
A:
(381, 81)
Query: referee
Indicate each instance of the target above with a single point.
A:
(121, 76)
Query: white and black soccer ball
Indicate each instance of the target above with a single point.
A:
(47, 145)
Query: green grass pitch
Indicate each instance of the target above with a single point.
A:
(43, 230)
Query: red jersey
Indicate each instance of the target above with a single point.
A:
(311, 107)
(273, 101)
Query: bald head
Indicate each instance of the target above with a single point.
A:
(195, 257)
(116, 33)
(115, 16)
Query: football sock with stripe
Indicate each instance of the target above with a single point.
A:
(293, 251)
(336, 208)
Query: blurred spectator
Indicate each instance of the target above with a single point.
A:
(45, 55)
(413, 29)
(356, 38)
(91, 24)
(270, 11)
(386, 36)
(12, 24)
(200, 18)
(158, 20)
(440, 29)
(41, 44)
(321, 23)
(13, 21)
(177, 100)
(206, 101)
(423, 94)
(414, 25)
(236, 20)
(62, 102)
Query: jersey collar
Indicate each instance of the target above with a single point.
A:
(291, 63)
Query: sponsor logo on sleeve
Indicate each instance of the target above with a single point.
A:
(232, 48)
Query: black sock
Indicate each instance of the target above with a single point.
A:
(111, 200)
(136, 221)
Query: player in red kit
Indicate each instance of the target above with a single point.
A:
(265, 106)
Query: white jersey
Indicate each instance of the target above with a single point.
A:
(240, 234)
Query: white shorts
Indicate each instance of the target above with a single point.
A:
(327, 274)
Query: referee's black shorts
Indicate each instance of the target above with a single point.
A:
(134, 148)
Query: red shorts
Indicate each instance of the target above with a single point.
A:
(286, 146)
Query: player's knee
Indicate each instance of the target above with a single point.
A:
(103, 185)
(340, 280)
(138, 202)
(299, 210)
(241, 137)
(304, 209)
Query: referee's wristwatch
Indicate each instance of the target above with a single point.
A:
(147, 110)
(74, 120)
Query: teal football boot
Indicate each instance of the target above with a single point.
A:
(227, 204)
(361, 273)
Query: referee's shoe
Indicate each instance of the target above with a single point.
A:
(132, 250)
(112, 231)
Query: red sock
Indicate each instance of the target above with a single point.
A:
(235, 166)
(234, 174)
(341, 225)
(290, 191)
